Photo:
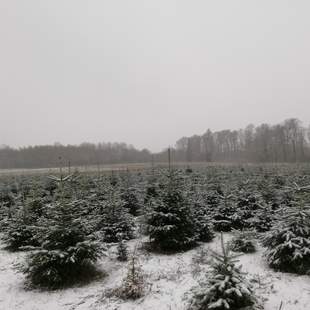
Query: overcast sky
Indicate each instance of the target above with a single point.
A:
(148, 72)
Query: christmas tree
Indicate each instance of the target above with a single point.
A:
(262, 220)
(66, 253)
(114, 218)
(131, 202)
(170, 223)
(288, 242)
(21, 229)
(224, 213)
(226, 287)
(133, 284)
(21, 233)
(243, 241)
(122, 252)
(202, 217)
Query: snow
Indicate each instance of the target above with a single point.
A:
(169, 279)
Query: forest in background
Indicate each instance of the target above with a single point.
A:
(288, 141)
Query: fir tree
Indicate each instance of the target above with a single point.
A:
(151, 190)
(213, 198)
(114, 219)
(50, 186)
(202, 218)
(131, 202)
(288, 242)
(203, 225)
(21, 233)
(226, 287)
(113, 179)
(170, 223)
(263, 219)
(243, 241)
(133, 284)
(223, 216)
(36, 201)
(122, 252)
(6, 200)
(21, 229)
(66, 254)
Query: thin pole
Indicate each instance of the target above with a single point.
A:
(281, 305)
(169, 159)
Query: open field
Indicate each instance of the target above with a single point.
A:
(141, 166)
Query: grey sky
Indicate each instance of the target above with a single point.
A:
(148, 72)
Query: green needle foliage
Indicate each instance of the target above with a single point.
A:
(67, 254)
(288, 243)
(170, 223)
(226, 287)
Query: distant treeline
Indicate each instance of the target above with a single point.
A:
(285, 142)
(48, 156)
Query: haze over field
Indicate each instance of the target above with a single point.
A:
(149, 72)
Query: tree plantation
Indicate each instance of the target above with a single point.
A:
(209, 237)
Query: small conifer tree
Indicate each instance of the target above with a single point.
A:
(115, 219)
(170, 223)
(133, 284)
(226, 287)
(243, 241)
(66, 253)
(122, 251)
(288, 242)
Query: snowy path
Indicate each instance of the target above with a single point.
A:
(170, 277)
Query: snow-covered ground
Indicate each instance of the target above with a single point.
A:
(169, 281)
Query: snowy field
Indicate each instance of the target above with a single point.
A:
(169, 279)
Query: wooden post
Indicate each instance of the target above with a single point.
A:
(281, 305)
(169, 159)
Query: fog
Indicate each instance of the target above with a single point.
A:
(149, 72)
